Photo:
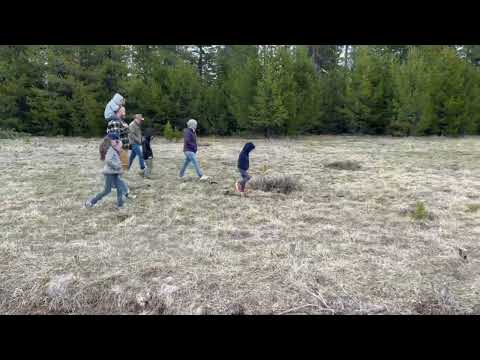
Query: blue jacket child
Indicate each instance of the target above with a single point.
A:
(113, 106)
(243, 165)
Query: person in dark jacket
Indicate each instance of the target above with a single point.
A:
(243, 165)
(190, 149)
(147, 151)
(146, 147)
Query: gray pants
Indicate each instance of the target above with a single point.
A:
(245, 178)
(148, 169)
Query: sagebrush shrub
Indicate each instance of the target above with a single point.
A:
(420, 212)
(284, 184)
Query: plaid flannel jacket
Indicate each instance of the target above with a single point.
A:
(118, 127)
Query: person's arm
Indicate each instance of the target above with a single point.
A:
(189, 139)
(194, 141)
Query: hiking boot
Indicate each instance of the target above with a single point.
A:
(203, 178)
(88, 204)
(130, 196)
(146, 173)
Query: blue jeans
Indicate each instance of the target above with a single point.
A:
(191, 157)
(136, 151)
(123, 185)
(109, 181)
(245, 178)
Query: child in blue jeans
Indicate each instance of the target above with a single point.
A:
(243, 165)
(112, 172)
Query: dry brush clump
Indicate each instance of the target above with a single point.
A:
(284, 184)
(344, 165)
(418, 212)
(472, 208)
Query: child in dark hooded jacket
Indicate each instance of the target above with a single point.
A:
(147, 151)
(243, 165)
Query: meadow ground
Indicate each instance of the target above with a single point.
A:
(347, 242)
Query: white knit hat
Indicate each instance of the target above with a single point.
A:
(192, 124)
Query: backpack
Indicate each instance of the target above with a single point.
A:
(104, 145)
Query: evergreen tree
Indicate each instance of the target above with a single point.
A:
(269, 112)
(370, 92)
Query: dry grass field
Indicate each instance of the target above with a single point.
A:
(396, 232)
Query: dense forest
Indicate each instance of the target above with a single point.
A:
(271, 90)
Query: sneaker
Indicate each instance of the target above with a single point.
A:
(237, 186)
(130, 196)
(88, 204)
(203, 178)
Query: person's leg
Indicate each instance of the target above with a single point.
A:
(247, 179)
(244, 179)
(138, 149)
(238, 184)
(133, 154)
(148, 166)
(123, 185)
(193, 159)
(185, 164)
(120, 189)
(105, 192)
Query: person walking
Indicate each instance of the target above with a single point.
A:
(135, 139)
(190, 149)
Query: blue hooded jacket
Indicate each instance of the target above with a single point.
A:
(243, 161)
(113, 106)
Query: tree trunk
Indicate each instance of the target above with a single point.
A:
(346, 55)
(200, 61)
